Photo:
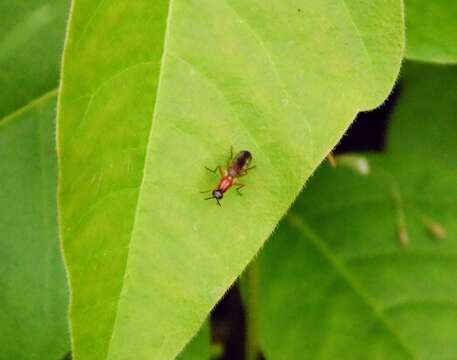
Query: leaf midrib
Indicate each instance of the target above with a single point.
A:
(140, 191)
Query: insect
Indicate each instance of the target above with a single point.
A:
(237, 167)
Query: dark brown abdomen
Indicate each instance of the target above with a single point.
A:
(241, 161)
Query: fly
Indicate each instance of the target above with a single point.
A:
(237, 167)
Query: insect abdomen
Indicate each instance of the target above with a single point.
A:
(242, 160)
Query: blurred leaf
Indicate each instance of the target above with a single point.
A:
(431, 34)
(426, 111)
(336, 282)
(152, 92)
(33, 299)
(31, 43)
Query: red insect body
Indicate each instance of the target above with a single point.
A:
(225, 183)
(236, 168)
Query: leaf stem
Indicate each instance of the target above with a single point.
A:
(252, 280)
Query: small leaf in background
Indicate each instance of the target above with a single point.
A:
(431, 29)
(33, 297)
(154, 91)
(335, 282)
(31, 43)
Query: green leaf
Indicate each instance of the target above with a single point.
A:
(30, 48)
(33, 299)
(431, 31)
(335, 282)
(154, 91)
(34, 296)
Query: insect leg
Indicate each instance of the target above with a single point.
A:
(215, 169)
(229, 160)
(239, 187)
(206, 191)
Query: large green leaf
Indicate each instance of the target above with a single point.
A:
(335, 282)
(33, 299)
(431, 30)
(154, 91)
(31, 43)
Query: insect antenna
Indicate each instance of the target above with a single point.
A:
(217, 200)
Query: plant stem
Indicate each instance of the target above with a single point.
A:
(252, 280)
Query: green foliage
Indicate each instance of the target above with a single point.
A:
(426, 113)
(431, 30)
(335, 282)
(152, 92)
(155, 90)
(30, 48)
(33, 298)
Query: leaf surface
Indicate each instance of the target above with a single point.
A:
(154, 91)
(34, 297)
(431, 31)
(335, 282)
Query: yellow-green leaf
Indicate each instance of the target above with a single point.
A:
(154, 91)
